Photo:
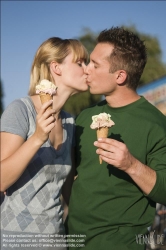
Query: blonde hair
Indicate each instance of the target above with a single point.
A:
(53, 49)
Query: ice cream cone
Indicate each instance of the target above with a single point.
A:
(45, 98)
(102, 133)
(101, 123)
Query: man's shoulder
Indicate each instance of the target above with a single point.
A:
(151, 111)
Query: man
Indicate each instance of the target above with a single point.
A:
(113, 204)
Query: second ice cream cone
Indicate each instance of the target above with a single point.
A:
(102, 133)
(101, 123)
(45, 98)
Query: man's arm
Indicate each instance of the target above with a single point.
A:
(117, 154)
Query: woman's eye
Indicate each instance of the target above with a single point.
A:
(79, 63)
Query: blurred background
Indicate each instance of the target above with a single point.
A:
(26, 24)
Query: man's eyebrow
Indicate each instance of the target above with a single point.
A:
(94, 61)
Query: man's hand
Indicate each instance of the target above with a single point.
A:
(115, 153)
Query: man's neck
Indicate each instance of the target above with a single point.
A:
(122, 98)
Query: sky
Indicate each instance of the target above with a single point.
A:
(26, 24)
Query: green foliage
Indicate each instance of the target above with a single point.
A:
(88, 39)
(154, 68)
(1, 96)
(78, 102)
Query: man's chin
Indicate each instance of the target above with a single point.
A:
(93, 92)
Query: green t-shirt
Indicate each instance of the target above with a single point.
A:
(106, 205)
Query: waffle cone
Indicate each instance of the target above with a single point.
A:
(102, 133)
(45, 98)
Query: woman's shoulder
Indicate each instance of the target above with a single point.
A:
(15, 107)
(15, 119)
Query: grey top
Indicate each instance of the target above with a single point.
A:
(32, 204)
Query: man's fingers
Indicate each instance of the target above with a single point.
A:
(109, 144)
(109, 141)
(105, 146)
(107, 154)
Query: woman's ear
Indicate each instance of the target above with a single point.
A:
(121, 76)
(54, 67)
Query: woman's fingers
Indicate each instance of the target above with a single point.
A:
(45, 106)
(45, 121)
(48, 123)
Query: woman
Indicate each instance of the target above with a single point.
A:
(36, 149)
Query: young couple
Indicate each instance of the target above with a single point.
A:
(110, 203)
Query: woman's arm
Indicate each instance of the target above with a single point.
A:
(67, 186)
(15, 156)
(17, 153)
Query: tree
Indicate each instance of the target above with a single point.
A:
(88, 39)
(1, 96)
(154, 69)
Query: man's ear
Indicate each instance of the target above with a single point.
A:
(54, 67)
(121, 77)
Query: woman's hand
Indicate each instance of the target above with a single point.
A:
(45, 122)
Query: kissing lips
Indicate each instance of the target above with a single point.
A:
(88, 82)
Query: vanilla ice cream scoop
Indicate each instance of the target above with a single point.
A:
(46, 87)
(46, 90)
(101, 120)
